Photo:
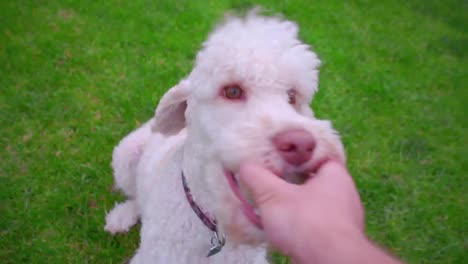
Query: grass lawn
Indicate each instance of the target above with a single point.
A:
(76, 76)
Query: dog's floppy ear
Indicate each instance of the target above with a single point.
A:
(169, 117)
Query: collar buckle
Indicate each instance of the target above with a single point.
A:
(217, 243)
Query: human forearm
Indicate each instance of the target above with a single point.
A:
(346, 247)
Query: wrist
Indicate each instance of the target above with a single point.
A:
(346, 246)
(331, 246)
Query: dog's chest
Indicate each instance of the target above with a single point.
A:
(172, 233)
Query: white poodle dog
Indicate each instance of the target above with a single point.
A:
(247, 98)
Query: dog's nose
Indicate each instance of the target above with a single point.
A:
(295, 146)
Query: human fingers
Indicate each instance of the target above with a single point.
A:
(264, 186)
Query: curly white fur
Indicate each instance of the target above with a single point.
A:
(197, 131)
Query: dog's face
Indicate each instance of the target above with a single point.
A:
(248, 99)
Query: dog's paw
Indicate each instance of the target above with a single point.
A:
(122, 217)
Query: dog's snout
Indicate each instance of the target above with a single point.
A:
(295, 146)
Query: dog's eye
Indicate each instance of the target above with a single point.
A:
(291, 96)
(233, 92)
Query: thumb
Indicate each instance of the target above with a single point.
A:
(333, 177)
(264, 186)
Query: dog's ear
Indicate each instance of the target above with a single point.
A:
(169, 117)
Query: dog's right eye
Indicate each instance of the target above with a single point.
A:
(233, 92)
(291, 96)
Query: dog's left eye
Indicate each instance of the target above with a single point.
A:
(291, 96)
(233, 92)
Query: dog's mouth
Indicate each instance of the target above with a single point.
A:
(295, 176)
(248, 209)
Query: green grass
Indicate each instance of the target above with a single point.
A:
(76, 76)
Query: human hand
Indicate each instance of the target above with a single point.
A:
(298, 219)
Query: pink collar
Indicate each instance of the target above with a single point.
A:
(217, 241)
(207, 220)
